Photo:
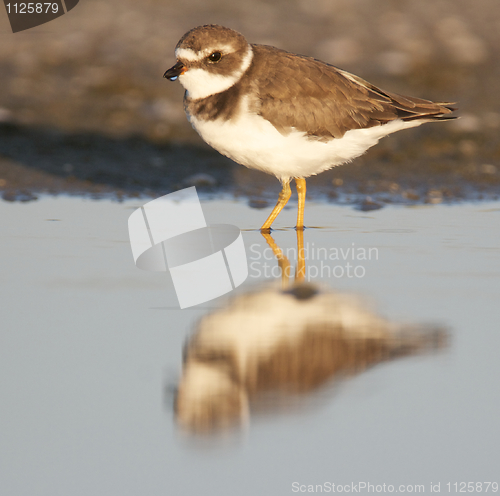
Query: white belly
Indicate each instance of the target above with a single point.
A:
(254, 142)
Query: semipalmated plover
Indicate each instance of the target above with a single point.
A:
(285, 114)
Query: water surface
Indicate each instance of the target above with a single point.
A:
(91, 348)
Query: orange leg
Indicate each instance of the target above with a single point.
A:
(283, 262)
(282, 201)
(301, 192)
(300, 271)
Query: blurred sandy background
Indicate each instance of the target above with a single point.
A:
(84, 107)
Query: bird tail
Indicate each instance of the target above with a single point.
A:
(410, 108)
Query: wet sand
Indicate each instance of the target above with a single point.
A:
(425, 165)
(84, 108)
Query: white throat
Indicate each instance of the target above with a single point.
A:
(200, 83)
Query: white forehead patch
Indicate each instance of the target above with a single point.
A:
(200, 83)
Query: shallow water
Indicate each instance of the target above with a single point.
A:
(91, 348)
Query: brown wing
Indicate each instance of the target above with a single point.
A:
(323, 101)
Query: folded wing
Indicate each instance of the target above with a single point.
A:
(304, 94)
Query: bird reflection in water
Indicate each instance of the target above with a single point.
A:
(284, 341)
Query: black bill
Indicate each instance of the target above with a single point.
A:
(174, 72)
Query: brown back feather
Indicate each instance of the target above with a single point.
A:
(302, 93)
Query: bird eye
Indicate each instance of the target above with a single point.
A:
(215, 57)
